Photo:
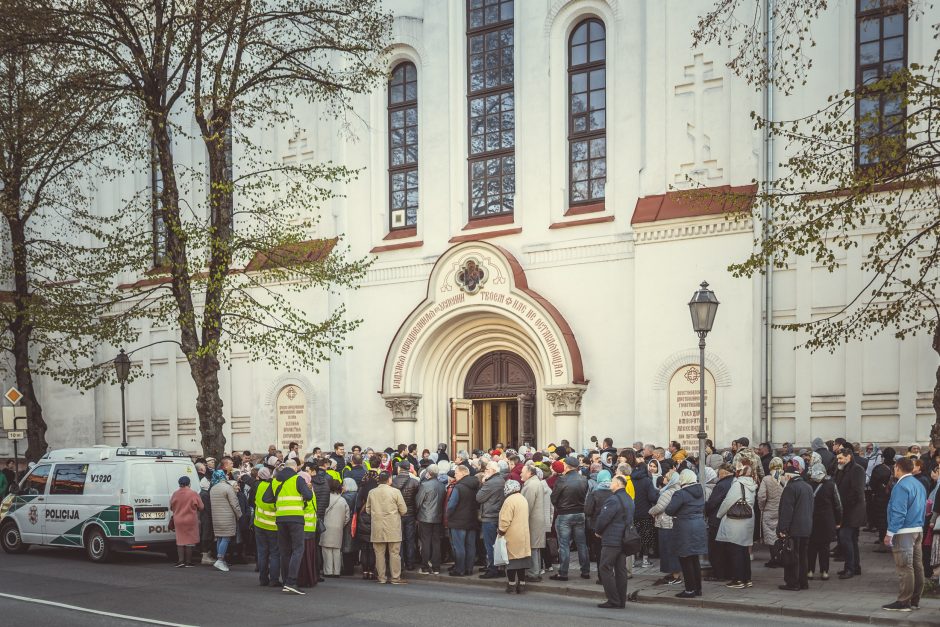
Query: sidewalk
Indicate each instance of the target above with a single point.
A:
(856, 600)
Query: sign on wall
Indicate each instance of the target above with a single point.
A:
(684, 406)
(291, 418)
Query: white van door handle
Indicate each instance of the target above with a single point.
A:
(40, 498)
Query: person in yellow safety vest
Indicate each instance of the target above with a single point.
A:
(331, 471)
(310, 564)
(268, 555)
(289, 493)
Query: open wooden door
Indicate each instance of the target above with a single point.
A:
(526, 435)
(461, 425)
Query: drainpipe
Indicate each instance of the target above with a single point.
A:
(767, 215)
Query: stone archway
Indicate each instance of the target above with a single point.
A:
(478, 301)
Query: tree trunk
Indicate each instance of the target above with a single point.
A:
(935, 429)
(205, 373)
(21, 329)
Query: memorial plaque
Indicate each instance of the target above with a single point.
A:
(684, 406)
(291, 418)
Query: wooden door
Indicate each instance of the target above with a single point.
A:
(526, 429)
(461, 425)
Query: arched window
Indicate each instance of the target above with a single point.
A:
(403, 146)
(587, 113)
(491, 103)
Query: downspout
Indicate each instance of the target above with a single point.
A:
(767, 226)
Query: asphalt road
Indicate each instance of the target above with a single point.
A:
(60, 587)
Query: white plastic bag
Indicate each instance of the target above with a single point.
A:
(500, 552)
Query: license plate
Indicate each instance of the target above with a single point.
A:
(151, 515)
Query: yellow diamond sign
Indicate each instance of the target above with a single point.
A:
(13, 395)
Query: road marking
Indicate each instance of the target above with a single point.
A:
(91, 611)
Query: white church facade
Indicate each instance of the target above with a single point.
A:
(534, 260)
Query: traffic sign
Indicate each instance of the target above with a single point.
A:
(14, 435)
(13, 395)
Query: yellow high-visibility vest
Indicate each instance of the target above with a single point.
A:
(265, 516)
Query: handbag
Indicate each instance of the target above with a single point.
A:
(741, 510)
(500, 552)
(784, 551)
(172, 524)
(630, 543)
(355, 523)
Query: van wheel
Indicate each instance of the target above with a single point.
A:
(96, 545)
(11, 539)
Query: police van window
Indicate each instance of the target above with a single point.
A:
(69, 479)
(35, 483)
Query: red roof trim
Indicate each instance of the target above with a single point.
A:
(707, 201)
(388, 247)
(565, 225)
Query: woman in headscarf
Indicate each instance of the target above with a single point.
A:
(687, 509)
(737, 534)
(668, 558)
(880, 484)
(827, 516)
(335, 520)
(225, 515)
(768, 500)
(350, 545)
(514, 527)
(711, 480)
(185, 504)
(593, 503)
(656, 473)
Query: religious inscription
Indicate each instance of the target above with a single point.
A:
(291, 417)
(530, 316)
(684, 406)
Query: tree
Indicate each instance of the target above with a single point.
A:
(865, 161)
(236, 66)
(59, 259)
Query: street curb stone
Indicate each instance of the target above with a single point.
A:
(909, 620)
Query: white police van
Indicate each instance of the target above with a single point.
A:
(101, 499)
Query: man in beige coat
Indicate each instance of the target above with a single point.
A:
(535, 496)
(386, 507)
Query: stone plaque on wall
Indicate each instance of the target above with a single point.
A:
(291, 418)
(684, 406)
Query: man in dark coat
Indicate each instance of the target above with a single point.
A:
(408, 486)
(615, 516)
(568, 498)
(462, 521)
(850, 479)
(795, 520)
(717, 556)
(880, 486)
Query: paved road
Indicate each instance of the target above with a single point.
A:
(147, 588)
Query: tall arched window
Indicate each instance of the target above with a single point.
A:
(491, 103)
(403, 146)
(587, 113)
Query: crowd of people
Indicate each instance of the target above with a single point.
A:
(517, 514)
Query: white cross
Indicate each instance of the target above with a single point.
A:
(702, 78)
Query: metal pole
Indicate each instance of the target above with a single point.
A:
(701, 411)
(123, 419)
(16, 464)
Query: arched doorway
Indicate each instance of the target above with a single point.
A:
(500, 388)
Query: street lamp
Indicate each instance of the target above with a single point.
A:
(122, 365)
(703, 308)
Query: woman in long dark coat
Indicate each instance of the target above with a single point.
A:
(827, 515)
(880, 484)
(364, 526)
(687, 509)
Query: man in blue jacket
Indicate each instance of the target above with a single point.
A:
(614, 518)
(906, 511)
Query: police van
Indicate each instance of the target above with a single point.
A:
(102, 499)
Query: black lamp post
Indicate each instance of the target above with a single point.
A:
(122, 365)
(703, 308)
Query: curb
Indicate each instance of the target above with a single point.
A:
(908, 620)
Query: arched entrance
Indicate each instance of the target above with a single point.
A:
(492, 337)
(501, 387)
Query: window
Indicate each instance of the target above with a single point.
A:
(156, 211)
(491, 103)
(881, 51)
(587, 113)
(69, 479)
(35, 483)
(403, 146)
